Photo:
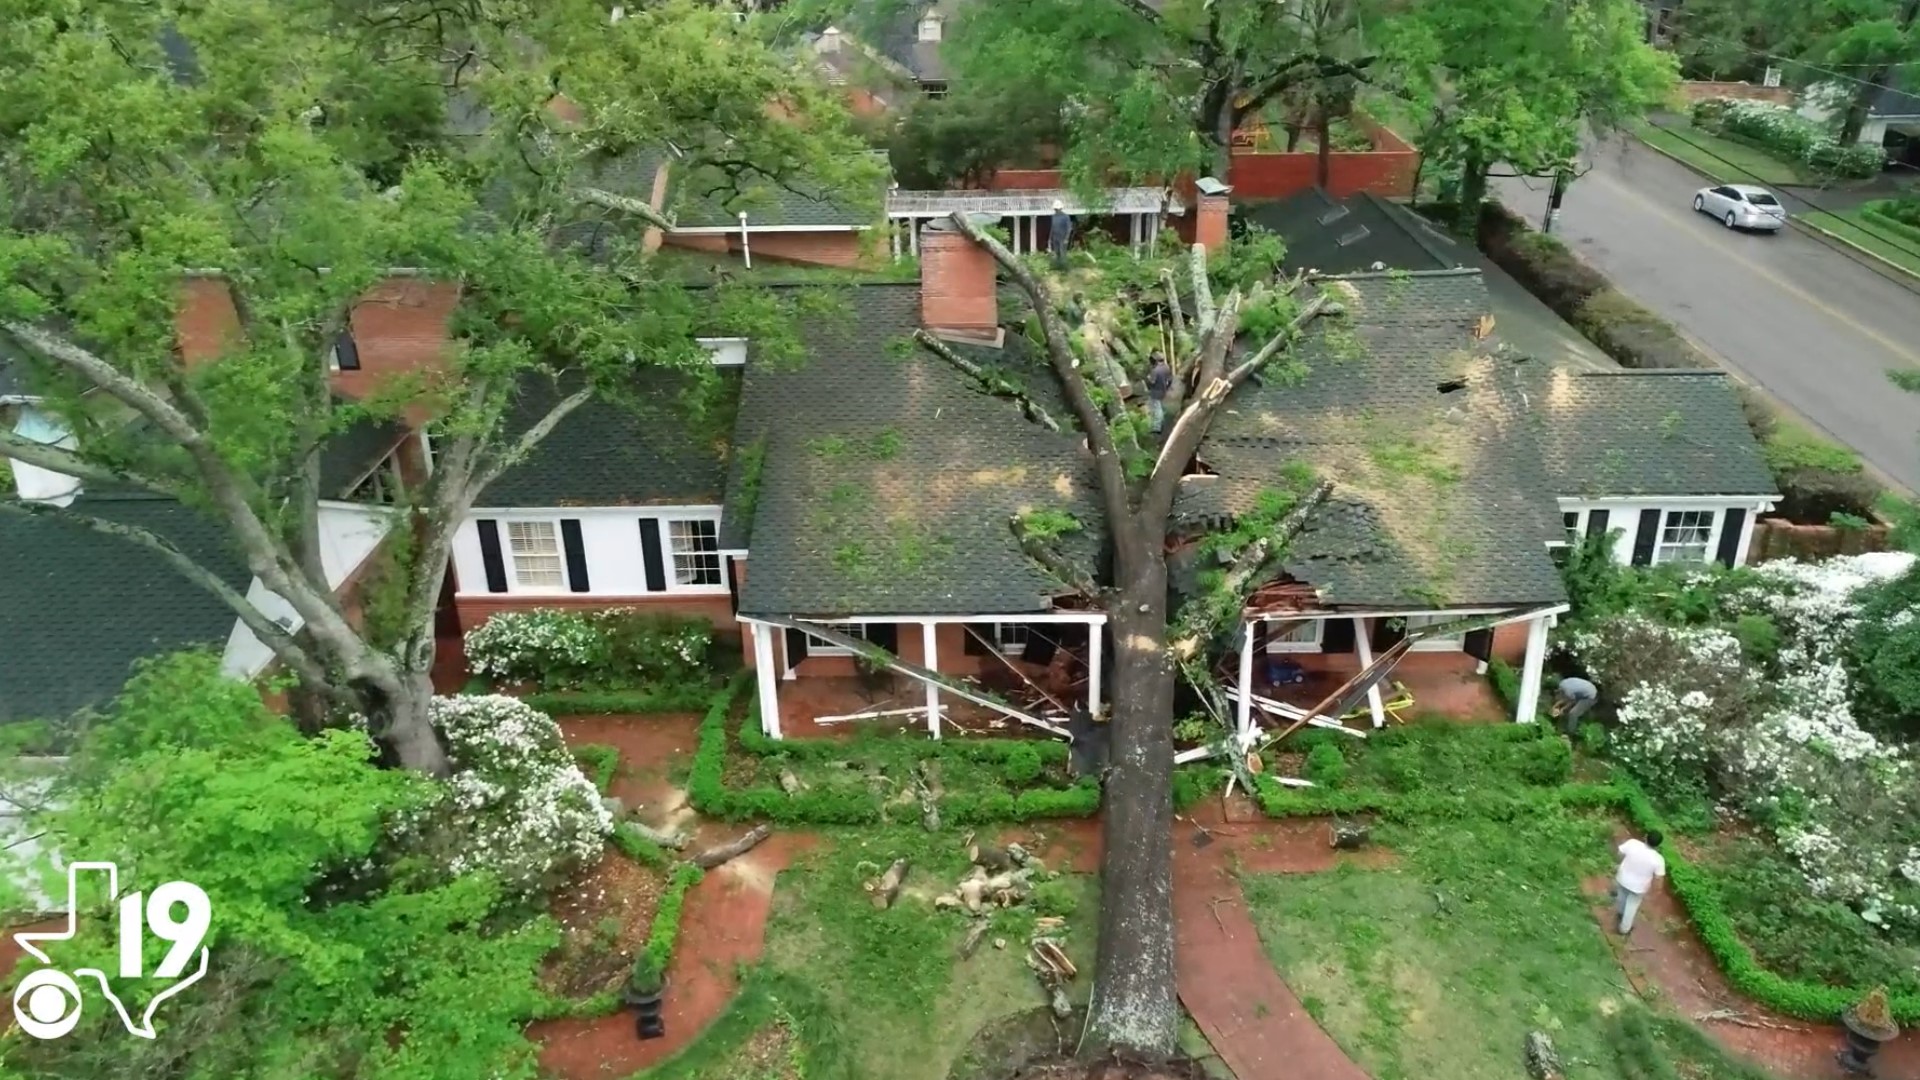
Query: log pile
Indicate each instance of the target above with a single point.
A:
(1048, 959)
(999, 877)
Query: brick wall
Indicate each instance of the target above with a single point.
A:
(956, 281)
(1778, 539)
(1693, 90)
(1388, 169)
(206, 323)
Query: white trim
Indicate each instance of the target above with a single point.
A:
(599, 526)
(1527, 709)
(1096, 641)
(1092, 618)
(1709, 548)
(1456, 612)
(725, 351)
(1608, 502)
(1363, 644)
(728, 230)
(1316, 645)
(930, 659)
(764, 674)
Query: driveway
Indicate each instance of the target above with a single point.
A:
(1813, 327)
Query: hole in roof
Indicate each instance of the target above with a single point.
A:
(1334, 215)
(1452, 385)
(1355, 236)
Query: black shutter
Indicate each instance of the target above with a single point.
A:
(974, 645)
(1597, 522)
(650, 555)
(1040, 648)
(1479, 644)
(1387, 633)
(1337, 635)
(1644, 540)
(886, 635)
(796, 648)
(490, 555)
(346, 352)
(1730, 530)
(576, 554)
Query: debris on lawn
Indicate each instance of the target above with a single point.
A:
(1349, 835)
(790, 783)
(733, 849)
(1000, 877)
(885, 889)
(927, 779)
(971, 943)
(1049, 962)
(1542, 1062)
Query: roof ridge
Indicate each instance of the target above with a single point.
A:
(1701, 372)
(1401, 275)
(1399, 215)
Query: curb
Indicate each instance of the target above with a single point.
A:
(1886, 268)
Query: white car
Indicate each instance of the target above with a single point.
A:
(1742, 206)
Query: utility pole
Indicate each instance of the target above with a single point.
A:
(1555, 196)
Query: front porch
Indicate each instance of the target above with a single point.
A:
(1000, 675)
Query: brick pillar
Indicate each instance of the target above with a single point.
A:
(1210, 223)
(957, 282)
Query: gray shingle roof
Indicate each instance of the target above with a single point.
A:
(873, 478)
(664, 444)
(1439, 499)
(1648, 433)
(78, 607)
(694, 203)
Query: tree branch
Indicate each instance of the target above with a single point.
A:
(68, 463)
(1313, 309)
(1063, 569)
(626, 204)
(283, 645)
(1107, 465)
(526, 442)
(988, 381)
(1202, 617)
(1203, 311)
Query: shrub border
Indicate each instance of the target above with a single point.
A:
(662, 937)
(1693, 886)
(599, 761)
(678, 698)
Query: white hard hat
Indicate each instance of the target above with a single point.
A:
(1058, 205)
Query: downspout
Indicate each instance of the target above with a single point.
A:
(746, 247)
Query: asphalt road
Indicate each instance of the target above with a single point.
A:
(1813, 327)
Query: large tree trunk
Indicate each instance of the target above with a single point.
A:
(1223, 128)
(1473, 192)
(1323, 160)
(400, 717)
(1135, 1006)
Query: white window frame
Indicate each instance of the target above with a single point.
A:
(819, 647)
(1451, 643)
(1291, 644)
(1008, 647)
(725, 351)
(512, 557)
(1661, 545)
(926, 21)
(601, 546)
(671, 554)
(1572, 534)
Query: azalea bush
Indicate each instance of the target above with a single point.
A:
(1783, 130)
(618, 648)
(517, 807)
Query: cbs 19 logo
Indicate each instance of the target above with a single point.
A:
(47, 1002)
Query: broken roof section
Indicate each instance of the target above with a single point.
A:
(873, 478)
(1439, 498)
(1616, 434)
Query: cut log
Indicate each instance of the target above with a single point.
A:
(886, 887)
(673, 841)
(1542, 1062)
(1018, 854)
(1349, 835)
(714, 856)
(790, 783)
(991, 857)
(1055, 957)
(971, 943)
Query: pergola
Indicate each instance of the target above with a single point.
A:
(1142, 206)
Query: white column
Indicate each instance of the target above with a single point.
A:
(1243, 720)
(1096, 639)
(932, 662)
(769, 684)
(1746, 536)
(746, 244)
(913, 236)
(1374, 705)
(893, 239)
(1528, 708)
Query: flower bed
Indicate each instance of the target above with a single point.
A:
(1783, 131)
(616, 650)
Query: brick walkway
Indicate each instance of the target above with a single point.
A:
(1254, 1021)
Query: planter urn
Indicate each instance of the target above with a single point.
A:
(1863, 1042)
(649, 1023)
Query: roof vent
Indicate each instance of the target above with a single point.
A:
(1353, 237)
(1334, 214)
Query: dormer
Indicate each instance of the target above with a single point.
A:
(930, 26)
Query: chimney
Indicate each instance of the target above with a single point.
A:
(829, 40)
(957, 284)
(1210, 216)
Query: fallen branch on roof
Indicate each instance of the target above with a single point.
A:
(1052, 561)
(989, 382)
(626, 204)
(874, 654)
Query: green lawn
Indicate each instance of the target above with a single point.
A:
(1856, 228)
(1724, 160)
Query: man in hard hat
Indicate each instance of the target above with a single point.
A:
(1059, 231)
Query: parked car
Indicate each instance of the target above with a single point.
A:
(1742, 206)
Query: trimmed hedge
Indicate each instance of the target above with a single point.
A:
(681, 698)
(599, 762)
(666, 918)
(638, 848)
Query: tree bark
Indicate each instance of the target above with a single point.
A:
(1135, 1006)
(1473, 192)
(1323, 157)
(399, 715)
(1223, 127)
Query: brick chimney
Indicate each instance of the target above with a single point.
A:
(1210, 215)
(957, 284)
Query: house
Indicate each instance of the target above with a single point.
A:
(1366, 232)
(866, 494)
(888, 50)
(1893, 114)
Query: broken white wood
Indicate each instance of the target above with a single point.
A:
(1198, 753)
(1288, 781)
(1374, 703)
(1292, 712)
(872, 714)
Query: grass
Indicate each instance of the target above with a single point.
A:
(1855, 227)
(892, 979)
(1725, 160)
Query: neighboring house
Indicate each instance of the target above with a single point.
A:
(1366, 232)
(886, 48)
(1893, 116)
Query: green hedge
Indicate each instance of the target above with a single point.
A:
(1882, 214)
(599, 762)
(638, 848)
(680, 698)
(666, 918)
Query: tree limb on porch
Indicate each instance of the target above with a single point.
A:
(993, 650)
(988, 381)
(875, 654)
(1350, 692)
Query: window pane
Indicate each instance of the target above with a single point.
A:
(851, 629)
(1683, 536)
(536, 554)
(696, 552)
(1012, 637)
(1304, 632)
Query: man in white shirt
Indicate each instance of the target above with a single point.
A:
(1640, 863)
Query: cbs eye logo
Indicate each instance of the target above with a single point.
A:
(47, 1003)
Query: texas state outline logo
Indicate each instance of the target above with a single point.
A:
(47, 1003)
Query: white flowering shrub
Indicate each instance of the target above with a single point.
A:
(618, 648)
(517, 805)
(1782, 129)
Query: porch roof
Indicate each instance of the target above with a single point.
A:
(1029, 202)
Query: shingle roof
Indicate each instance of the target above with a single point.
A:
(664, 444)
(78, 607)
(1439, 499)
(694, 203)
(1648, 433)
(1891, 101)
(873, 478)
(1346, 236)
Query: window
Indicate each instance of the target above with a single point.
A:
(535, 549)
(345, 355)
(819, 647)
(930, 28)
(695, 546)
(1302, 635)
(1417, 623)
(934, 90)
(383, 486)
(1684, 536)
(1727, 193)
(1010, 637)
(725, 352)
(1761, 198)
(1569, 520)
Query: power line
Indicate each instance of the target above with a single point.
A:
(1750, 51)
